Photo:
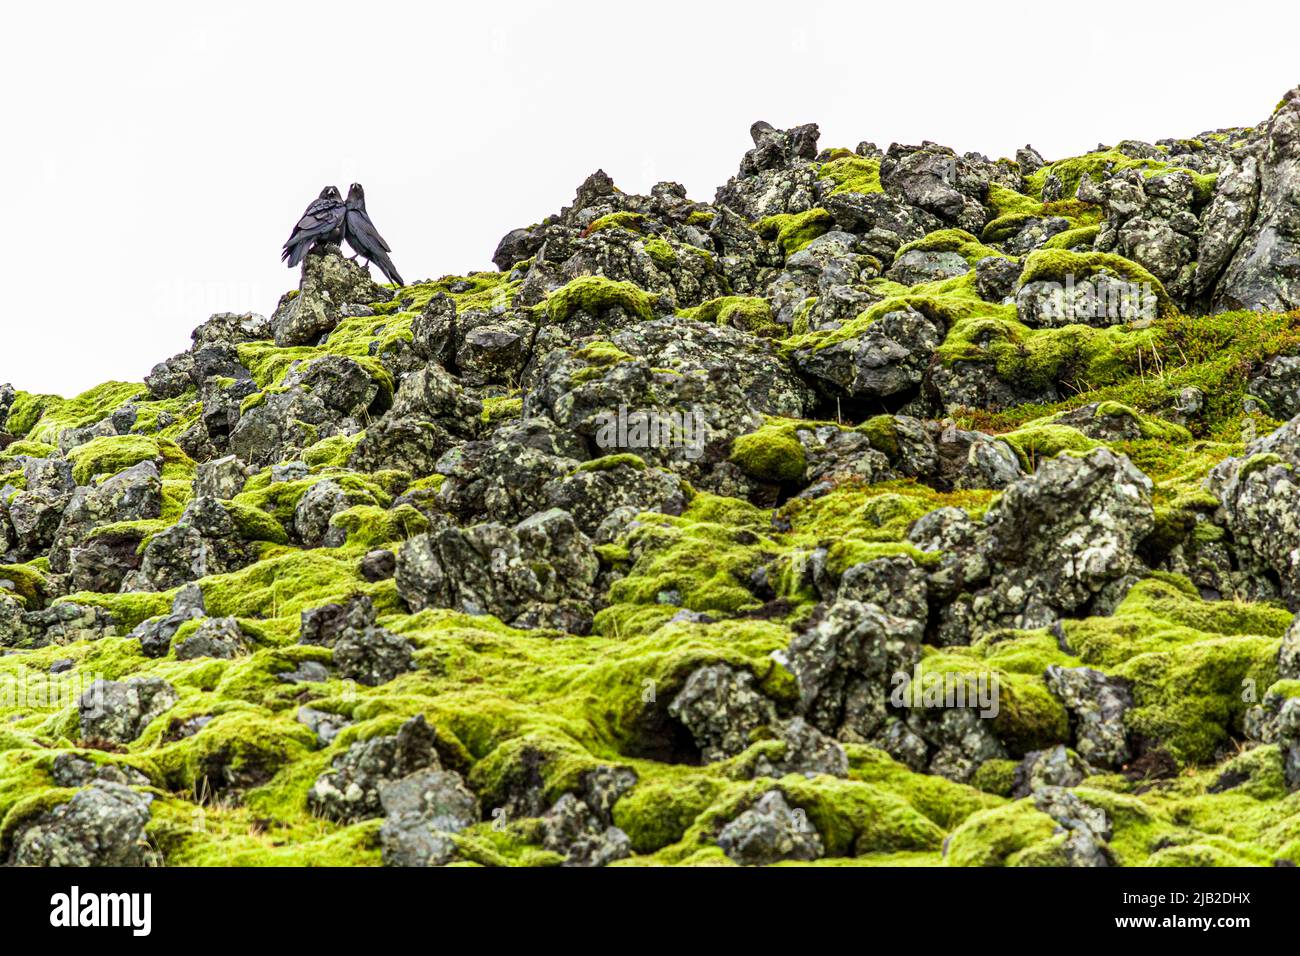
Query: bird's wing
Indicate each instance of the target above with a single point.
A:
(320, 219)
(360, 223)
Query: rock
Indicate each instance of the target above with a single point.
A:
(721, 709)
(1259, 497)
(230, 328)
(770, 832)
(378, 565)
(218, 637)
(1277, 384)
(116, 712)
(36, 512)
(919, 265)
(421, 809)
(363, 651)
(342, 384)
(103, 562)
(281, 424)
(890, 357)
(776, 175)
(351, 789)
(572, 828)
(937, 180)
(220, 478)
(537, 574)
(598, 498)
(155, 635)
(1150, 220)
(1098, 300)
(308, 672)
(843, 664)
(996, 278)
(1260, 204)
(1086, 827)
(1057, 767)
(71, 770)
(133, 494)
(1288, 654)
(1097, 704)
(204, 541)
(329, 284)
(372, 655)
(896, 585)
(807, 751)
(315, 510)
(402, 444)
(324, 725)
(102, 825)
(1057, 537)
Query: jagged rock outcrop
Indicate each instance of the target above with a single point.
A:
(894, 502)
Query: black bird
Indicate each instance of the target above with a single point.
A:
(364, 238)
(322, 222)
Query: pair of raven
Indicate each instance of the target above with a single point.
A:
(331, 220)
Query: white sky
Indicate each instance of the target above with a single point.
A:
(157, 155)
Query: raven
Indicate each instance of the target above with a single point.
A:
(322, 222)
(364, 238)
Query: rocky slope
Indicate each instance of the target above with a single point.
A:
(670, 542)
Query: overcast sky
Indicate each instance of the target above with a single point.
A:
(156, 156)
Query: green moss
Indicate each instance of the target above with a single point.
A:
(700, 560)
(1097, 166)
(610, 462)
(996, 777)
(663, 254)
(595, 294)
(23, 580)
(773, 453)
(949, 301)
(26, 410)
(852, 174)
(747, 313)
(1081, 237)
(952, 240)
(999, 836)
(1188, 661)
(631, 221)
(254, 524)
(659, 813)
(859, 522)
(1077, 356)
(883, 435)
(501, 408)
(30, 449)
(1034, 443)
(112, 454)
(43, 418)
(371, 526)
(794, 230)
(332, 452)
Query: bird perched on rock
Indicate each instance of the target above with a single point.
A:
(364, 238)
(321, 222)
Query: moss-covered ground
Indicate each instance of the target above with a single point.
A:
(492, 691)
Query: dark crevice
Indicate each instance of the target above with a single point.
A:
(855, 410)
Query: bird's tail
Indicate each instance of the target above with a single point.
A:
(293, 253)
(390, 270)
